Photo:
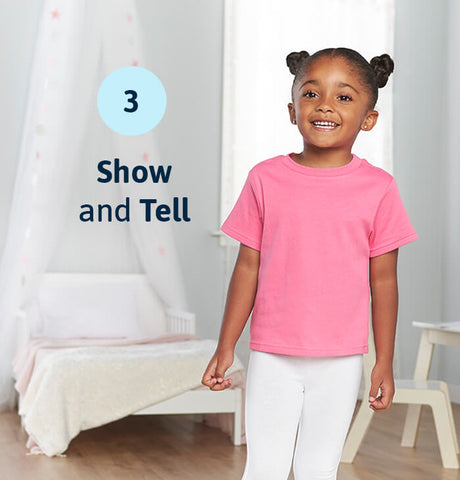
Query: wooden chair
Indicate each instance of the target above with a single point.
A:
(434, 393)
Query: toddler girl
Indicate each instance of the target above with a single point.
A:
(316, 230)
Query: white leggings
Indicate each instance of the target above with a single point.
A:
(317, 395)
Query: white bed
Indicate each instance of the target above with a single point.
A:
(149, 374)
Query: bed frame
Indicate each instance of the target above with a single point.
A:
(196, 401)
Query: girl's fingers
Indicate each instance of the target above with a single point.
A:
(209, 373)
(218, 386)
(380, 403)
(208, 378)
(221, 386)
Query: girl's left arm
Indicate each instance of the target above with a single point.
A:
(384, 294)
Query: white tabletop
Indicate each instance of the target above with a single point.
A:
(447, 326)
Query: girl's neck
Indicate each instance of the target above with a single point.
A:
(323, 158)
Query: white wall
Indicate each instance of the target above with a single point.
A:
(420, 164)
(450, 356)
(184, 42)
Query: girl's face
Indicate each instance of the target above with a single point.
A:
(330, 91)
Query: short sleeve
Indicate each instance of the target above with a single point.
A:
(245, 221)
(392, 227)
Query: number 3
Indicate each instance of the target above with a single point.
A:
(131, 100)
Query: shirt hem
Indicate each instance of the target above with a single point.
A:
(241, 237)
(393, 245)
(307, 351)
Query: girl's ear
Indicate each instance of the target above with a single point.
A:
(291, 112)
(370, 120)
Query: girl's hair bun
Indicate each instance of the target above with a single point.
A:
(383, 66)
(295, 59)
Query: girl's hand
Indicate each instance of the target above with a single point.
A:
(382, 376)
(213, 377)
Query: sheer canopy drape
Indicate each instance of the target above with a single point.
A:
(79, 42)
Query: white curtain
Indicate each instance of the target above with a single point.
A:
(79, 43)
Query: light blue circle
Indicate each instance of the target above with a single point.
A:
(149, 100)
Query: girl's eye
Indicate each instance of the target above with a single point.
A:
(309, 94)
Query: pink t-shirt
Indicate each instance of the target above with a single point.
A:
(316, 229)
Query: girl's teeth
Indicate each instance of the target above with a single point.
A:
(324, 124)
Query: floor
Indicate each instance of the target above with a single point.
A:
(174, 447)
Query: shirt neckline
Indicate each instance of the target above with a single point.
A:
(321, 171)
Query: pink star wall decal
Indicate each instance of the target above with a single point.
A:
(135, 63)
(161, 250)
(145, 157)
(129, 17)
(55, 14)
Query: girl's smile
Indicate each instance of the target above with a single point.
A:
(325, 126)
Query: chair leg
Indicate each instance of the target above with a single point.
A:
(444, 431)
(357, 432)
(445, 389)
(411, 425)
(414, 412)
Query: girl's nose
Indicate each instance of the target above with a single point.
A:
(325, 107)
(325, 104)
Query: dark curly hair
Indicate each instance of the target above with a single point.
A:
(374, 74)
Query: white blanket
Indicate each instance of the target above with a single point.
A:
(75, 389)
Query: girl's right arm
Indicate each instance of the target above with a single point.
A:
(240, 301)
